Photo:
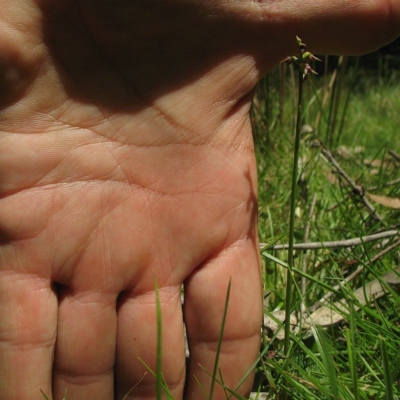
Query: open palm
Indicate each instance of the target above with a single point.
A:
(127, 159)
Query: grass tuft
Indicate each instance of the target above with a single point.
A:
(352, 111)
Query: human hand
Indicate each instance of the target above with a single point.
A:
(126, 157)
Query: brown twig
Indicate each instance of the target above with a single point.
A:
(358, 190)
(354, 274)
(334, 244)
(394, 155)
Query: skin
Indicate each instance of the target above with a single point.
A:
(127, 157)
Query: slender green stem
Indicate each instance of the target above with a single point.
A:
(293, 197)
(386, 370)
(289, 276)
(351, 345)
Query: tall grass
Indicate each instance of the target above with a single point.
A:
(354, 112)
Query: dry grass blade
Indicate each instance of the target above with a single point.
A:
(391, 202)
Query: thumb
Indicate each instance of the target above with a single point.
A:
(348, 27)
(265, 30)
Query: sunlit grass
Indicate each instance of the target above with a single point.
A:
(358, 358)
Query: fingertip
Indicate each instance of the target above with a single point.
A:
(336, 27)
(353, 27)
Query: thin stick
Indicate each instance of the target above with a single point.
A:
(353, 275)
(394, 155)
(357, 189)
(333, 244)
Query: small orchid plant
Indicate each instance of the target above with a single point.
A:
(303, 64)
(303, 61)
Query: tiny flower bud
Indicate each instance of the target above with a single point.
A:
(307, 71)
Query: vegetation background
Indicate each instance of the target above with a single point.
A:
(348, 188)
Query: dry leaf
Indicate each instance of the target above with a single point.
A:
(349, 152)
(271, 324)
(377, 163)
(391, 202)
(345, 152)
(329, 315)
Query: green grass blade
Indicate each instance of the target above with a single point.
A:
(303, 386)
(221, 378)
(301, 273)
(317, 281)
(64, 398)
(325, 351)
(44, 394)
(215, 371)
(387, 375)
(162, 381)
(147, 366)
(234, 394)
(201, 386)
(350, 337)
(274, 259)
